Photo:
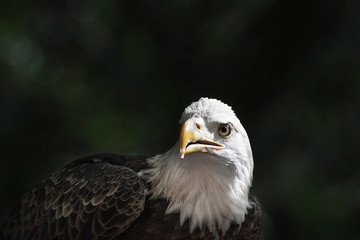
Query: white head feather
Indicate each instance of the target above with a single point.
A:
(208, 189)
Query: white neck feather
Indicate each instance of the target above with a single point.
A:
(201, 187)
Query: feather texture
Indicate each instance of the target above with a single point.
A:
(92, 197)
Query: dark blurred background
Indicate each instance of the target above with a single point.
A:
(82, 77)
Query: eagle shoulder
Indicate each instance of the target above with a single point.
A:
(96, 197)
(251, 227)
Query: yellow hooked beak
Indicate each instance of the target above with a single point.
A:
(192, 138)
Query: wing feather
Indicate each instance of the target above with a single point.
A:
(96, 197)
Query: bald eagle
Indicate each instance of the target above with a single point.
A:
(199, 189)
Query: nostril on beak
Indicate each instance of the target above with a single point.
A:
(198, 126)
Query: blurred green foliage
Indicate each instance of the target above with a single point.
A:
(80, 77)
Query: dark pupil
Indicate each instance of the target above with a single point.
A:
(224, 129)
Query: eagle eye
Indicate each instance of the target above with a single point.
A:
(225, 129)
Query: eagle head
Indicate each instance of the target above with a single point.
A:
(207, 174)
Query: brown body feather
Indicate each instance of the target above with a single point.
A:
(102, 197)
